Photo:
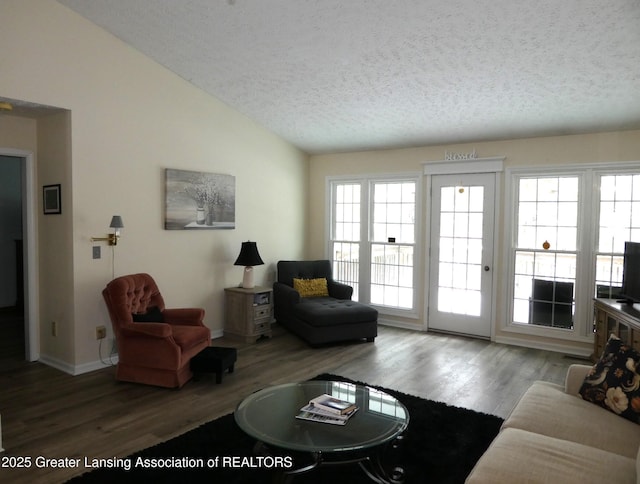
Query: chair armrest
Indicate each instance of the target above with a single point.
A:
(285, 295)
(339, 290)
(154, 330)
(575, 376)
(185, 316)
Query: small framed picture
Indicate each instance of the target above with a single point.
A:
(51, 199)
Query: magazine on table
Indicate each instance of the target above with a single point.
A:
(322, 418)
(333, 405)
(339, 411)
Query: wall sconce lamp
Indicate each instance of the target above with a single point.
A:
(116, 224)
(248, 257)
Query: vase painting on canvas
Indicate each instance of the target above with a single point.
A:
(199, 200)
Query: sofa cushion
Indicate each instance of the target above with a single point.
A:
(327, 311)
(614, 383)
(311, 287)
(547, 410)
(519, 456)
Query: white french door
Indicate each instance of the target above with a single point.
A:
(461, 255)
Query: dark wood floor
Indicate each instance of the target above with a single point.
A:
(48, 413)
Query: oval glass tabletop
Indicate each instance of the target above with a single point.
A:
(269, 415)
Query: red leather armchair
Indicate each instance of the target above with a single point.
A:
(157, 347)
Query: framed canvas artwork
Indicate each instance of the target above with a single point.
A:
(198, 200)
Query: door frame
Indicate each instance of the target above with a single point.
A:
(472, 166)
(29, 237)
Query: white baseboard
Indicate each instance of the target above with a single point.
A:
(400, 324)
(538, 345)
(542, 345)
(78, 369)
(105, 362)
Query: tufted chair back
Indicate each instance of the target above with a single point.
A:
(308, 269)
(134, 293)
(158, 347)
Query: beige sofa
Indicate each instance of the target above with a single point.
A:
(553, 436)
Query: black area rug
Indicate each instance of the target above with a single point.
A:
(441, 445)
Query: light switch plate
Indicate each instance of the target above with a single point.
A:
(96, 252)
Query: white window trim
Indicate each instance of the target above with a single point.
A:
(587, 217)
(365, 230)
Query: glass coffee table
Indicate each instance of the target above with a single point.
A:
(269, 416)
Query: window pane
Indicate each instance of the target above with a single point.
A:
(528, 190)
(476, 199)
(346, 265)
(548, 214)
(391, 271)
(394, 212)
(568, 189)
(446, 224)
(460, 250)
(545, 274)
(447, 198)
(547, 189)
(346, 223)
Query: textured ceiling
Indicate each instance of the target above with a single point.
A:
(344, 75)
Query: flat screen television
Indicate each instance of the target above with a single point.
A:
(630, 292)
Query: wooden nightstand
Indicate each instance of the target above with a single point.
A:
(248, 313)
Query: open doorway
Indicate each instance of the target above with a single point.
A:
(18, 337)
(12, 330)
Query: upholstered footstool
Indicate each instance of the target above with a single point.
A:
(214, 359)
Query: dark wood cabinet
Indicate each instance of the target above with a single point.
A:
(621, 319)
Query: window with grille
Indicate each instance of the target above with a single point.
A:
(392, 247)
(372, 245)
(546, 251)
(619, 210)
(346, 228)
(568, 235)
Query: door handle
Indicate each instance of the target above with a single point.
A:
(487, 268)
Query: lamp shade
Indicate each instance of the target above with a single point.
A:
(116, 222)
(249, 255)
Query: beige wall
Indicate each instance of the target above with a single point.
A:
(128, 119)
(590, 148)
(55, 240)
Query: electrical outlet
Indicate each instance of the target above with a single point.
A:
(54, 328)
(101, 332)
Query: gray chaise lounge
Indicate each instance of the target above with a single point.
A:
(322, 319)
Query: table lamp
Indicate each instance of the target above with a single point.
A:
(248, 257)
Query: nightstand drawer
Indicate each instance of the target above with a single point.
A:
(263, 327)
(261, 312)
(248, 313)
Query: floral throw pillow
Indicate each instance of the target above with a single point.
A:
(613, 382)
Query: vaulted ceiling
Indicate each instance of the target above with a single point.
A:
(344, 75)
